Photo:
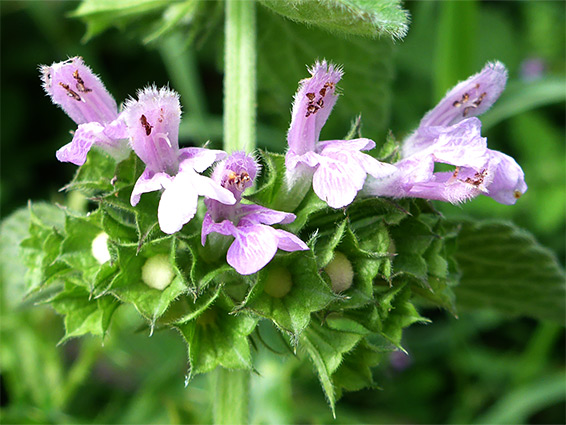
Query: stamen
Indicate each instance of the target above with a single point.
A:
(70, 92)
(478, 179)
(237, 180)
(147, 126)
(80, 83)
(454, 176)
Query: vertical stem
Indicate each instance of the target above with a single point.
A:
(231, 396)
(240, 76)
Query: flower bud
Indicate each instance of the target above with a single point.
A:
(157, 272)
(99, 248)
(340, 272)
(278, 282)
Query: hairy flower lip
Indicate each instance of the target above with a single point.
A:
(81, 94)
(338, 168)
(153, 127)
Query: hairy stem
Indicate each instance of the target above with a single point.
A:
(231, 396)
(240, 76)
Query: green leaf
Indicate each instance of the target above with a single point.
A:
(504, 268)
(217, 338)
(186, 309)
(397, 312)
(310, 205)
(209, 262)
(272, 180)
(82, 314)
(523, 402)
(95, 175)
(129, 287)
(412, 239)
(76, 247)
(99, 15)
(326, 242)
(288, 290)
(326, 348)
(357, 17)
(354, 373)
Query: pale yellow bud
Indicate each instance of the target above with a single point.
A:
(157, 272)
(340, 272)
(99, 248)
(278, 282)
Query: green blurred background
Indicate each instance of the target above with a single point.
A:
(480, 368)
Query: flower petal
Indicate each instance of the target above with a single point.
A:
(508, 183)
(178, 204)
(312, 105)
(338, 179)
(415, 169)
(208, 188)
(225, 227)
(460, 144)
(256, 214)
(85, 136)
(443, 187)
(339, 148)
(79, 92)
(361, 144)
(469, 98)
(199, 159)
(288, 241)
(148, 182)
(252, 249)
(153, 124)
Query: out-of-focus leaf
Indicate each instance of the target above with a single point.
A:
(456, 40)
(286, 48)
(13, 230)
(518, 405)
(370, 18)
(521, 96)
(504, 268)
(102, 14)
(41, 248)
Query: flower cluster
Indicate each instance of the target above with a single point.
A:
(338, 170)
(451, 134)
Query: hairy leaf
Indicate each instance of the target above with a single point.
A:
(357, 17)
(504, 268)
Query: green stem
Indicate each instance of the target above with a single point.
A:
(240, 76)
(231, 396)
